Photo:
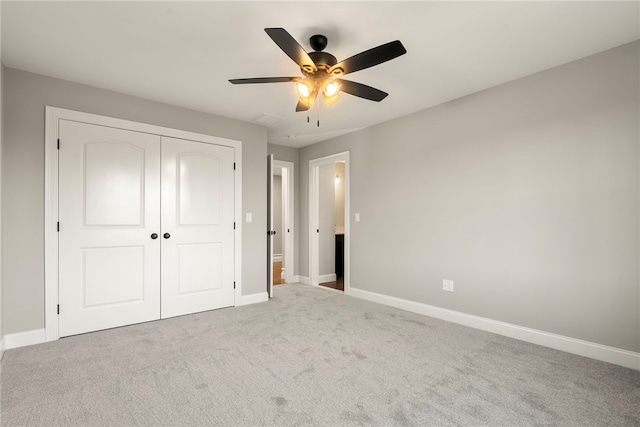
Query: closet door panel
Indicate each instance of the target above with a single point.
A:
(200, 189)
(197, 227)
(109, 205)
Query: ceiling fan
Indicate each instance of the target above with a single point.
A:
(321, 69)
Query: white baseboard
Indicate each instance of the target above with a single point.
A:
(253, 298)
(21, 339)
(277, 257)
(324, 278)
(617, 356)
(301, 279)
(2, 344)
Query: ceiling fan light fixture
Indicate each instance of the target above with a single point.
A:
(330, 100)
(330, 88)
(308, 100)
(304, 88)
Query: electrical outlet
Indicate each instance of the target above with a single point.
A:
(447, 285)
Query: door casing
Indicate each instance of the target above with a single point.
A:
(53, 115)
(314, 206)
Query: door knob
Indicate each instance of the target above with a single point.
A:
(166, 235)
(154, 236)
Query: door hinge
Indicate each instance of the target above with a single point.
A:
(234, 285)
(58, 308)
(234, 225)
(58, 226)
(234, 165)
(58, 143)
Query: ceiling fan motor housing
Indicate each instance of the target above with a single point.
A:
(323, 60)
(318, 42)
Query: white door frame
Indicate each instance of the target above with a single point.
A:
(288, 212)
(53, 115)
(314, 206)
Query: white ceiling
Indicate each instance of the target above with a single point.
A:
(183, 53)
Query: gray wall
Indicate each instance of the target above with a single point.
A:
(326, 219)
(25, 96)
(290, 154)
(339, 204)
(525, 194)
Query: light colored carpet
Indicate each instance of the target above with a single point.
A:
(310, 357)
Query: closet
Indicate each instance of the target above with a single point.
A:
(146, 227)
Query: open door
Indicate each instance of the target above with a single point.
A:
(270, 231)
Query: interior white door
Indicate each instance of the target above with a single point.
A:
(270, 231)
(109, 199)
(197, 227)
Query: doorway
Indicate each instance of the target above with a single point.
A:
(281, 223)
(328, 222)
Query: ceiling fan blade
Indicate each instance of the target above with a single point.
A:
(369, 58)
(292, 48)
(301, 106)
(362, 91)
(264, 80)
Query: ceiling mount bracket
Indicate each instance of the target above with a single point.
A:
(318, 42)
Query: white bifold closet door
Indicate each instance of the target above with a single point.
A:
(197, 227)
(109, 194)
(146, 227)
